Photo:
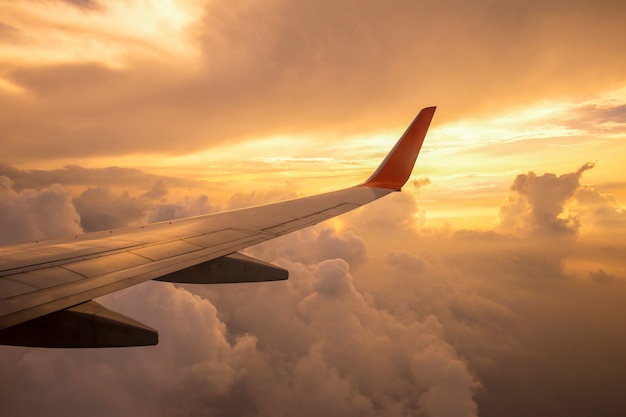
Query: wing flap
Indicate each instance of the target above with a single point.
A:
(87, 325)
(216, 238)
(229, 269)
(166, 250)
(45, 278)
(106, 264)
(11, 287)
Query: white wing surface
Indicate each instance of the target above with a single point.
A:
(47, 287)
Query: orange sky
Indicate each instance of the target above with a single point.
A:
(196, 90)
(494, 280)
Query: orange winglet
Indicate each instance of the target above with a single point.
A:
(395, 170)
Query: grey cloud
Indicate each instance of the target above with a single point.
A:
(493, 314)
(347, 245)
(29, 215)
(451, 380)
(332, 278)
(164, 212)
(355, 360)
(107, 202)
(106, 382)
(315, 245)
(405, 261)
(597, 117)
(100, 209)
(538, 201)
(186, 208)
(600, 209)
(382, 363)
(158, 190)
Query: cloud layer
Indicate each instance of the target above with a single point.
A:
(374, 320)
(30, 215)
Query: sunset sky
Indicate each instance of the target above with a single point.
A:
(493, 285)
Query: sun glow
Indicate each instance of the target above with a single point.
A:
(57, 32)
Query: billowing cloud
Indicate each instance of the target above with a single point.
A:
(417, 321)
(119, 197)
(30, 214)
(99, 209)
(204, 372)
(537, 203)
(321, 243)
(187, 207)
(600, 209)
(158, 191)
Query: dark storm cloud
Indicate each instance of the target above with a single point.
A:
(292, 67)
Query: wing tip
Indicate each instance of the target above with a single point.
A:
(396, 168)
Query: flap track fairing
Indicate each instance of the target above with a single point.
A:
(234, 268)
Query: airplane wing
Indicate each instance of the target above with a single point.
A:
(47, 287)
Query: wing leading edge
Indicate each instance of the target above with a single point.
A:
(47, 288)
